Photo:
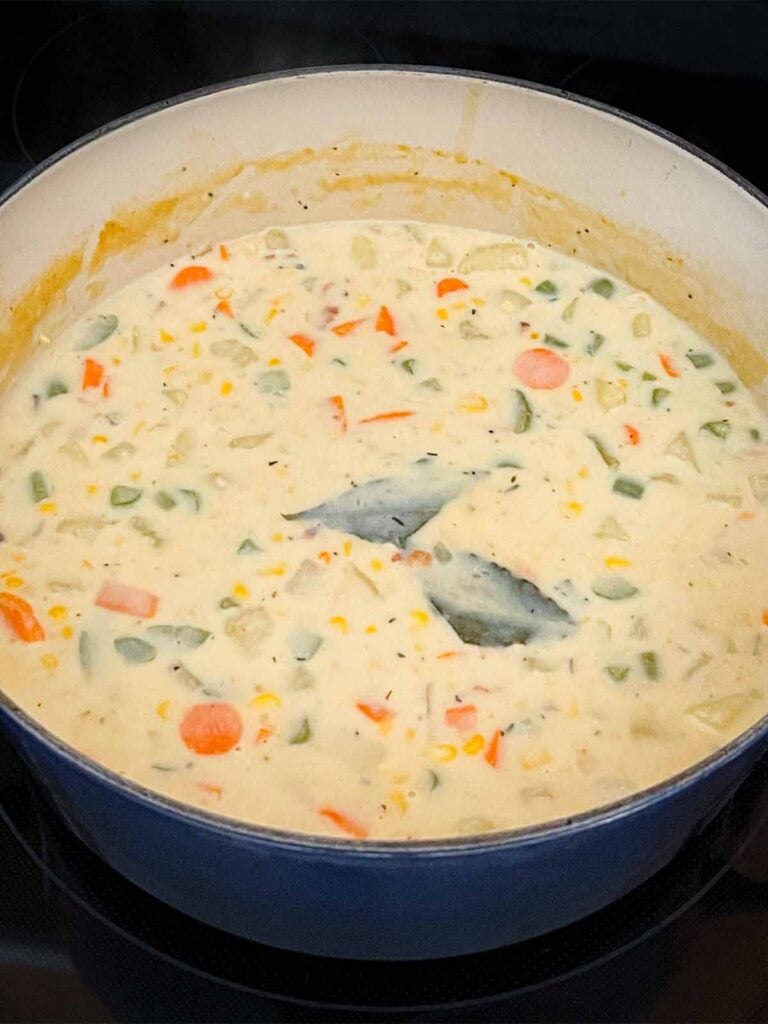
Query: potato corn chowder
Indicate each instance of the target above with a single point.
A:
(384, 530)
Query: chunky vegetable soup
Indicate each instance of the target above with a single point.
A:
(384, 530)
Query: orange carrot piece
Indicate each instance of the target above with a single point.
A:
(324, 556)
(461, 716)
(446, 654)
(20, 618)
(93, 374)
(224, 252)
(346, 328)
(633, 434)
(669, 367)
(397, 346)
(346, 824)
(305, 344)
(450, 284)
(398, 414)
(264, 733)
(194, 274)
(339, 412)
(117, 597)
(375, 712)
(493, 750)
(211, 728)
(541, 368)
(106, 390)
(384, 322)
(765, 618)
(420, 558)
(209, 787)
(224, 308)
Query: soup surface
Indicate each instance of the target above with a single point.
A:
(384, 530)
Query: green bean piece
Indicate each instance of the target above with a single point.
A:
(441, 553)
(85, 653)
(546, 288)
(629, 488)
(302, 734)
(650, 663)
(164, 501)
(56, 387)
(700, 359)
(409, 365)
(725, 387)
(618, 673)
(39, 487)
(122, 496)
(596, 344)
(603, 286)
(614, 588)
(658, 395)
(649, 376)
(624, 367)
(228, 602)
(610, 460)
(134, 650)
(248, 547)
(550, 339)
(434, 779)
(192, 498)
(522, 414)
(718, 428)
(754, 433)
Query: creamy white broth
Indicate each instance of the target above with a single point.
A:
(581, 614)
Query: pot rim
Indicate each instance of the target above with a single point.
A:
(635, 803)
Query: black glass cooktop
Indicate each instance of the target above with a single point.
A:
(80, 944)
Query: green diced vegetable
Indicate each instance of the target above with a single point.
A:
(97, 331)
(248, 547)
(629, 488)
(164, 500)
(614, 588)
(302, 734)
(658, 395)
(522, 415)
(145, 528)
(618, 673)
(610, 460)
(228, 602)
(434, 779)
(650, 663)
(273, 382)
(247, 329)
(603, 286)
(719, 428)
(649, 376)
(546, 288)
(550, 339)
(700, 359)
(121, 496)
(725, 387)
(409, 365)
(304, 644)
(134, 650)
(39, 487)
(441, 553)
(624, 367)
(754, 433)
(56, 387)
(191, 636)
(192, 498)
(85, 653)
(596, 344)
(432, 383)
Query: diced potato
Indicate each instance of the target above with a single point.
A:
(501, 256)
(363, 252)
(181, 448)
(722, 712)
(681, 448)
(306, 577)
(276, 239)
(611, 529)
(510, 300)
(85, 527)
(759, 485)
(641, 325)
(473, 826)
(249, 441)
(569, 310)
(438, 255)
(238, 353)
(609, 394)
(249, 627)
(73, 450)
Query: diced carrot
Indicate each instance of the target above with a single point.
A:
(224, 308)
(194, 274)
(264, 733)
(398, 346)
(669, 367)
(106, 390)
(446, 654)
(461, 716)
(765, 618)
(420, 558)
(117, 597)
(493, 750)
(20, 618)
(211, 728)
(209, 787)
(346, 328)
(633, 434)
(224, 252)
(93, 374)
(398, 414)
(304, 343)
(541, 368)
(384, 322)
(324, 556)
(346, 824)
(375, 712)
(450, 284)
(339, 412)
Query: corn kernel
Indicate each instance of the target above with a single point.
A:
(67, 633)
(266, 699)
(572, 711)
(444, 752)
(162, 709)
(347, 547)
(572, 509)
(410, 734)
(14, 581)
(371, 629)
(583, 472)
(49, 661)
(226, 387)
(278, 537)
(376, 564)
(442, 313)
(362, 301)
(474, 744)
(274, 361)
(197, 350)
(205, 376)
(340, 623)
(398, 798)
(275, 570)
(535, 759)
(478, 301)
(48, 508)
(615, 562)
(168, 370)
(240, 590)
(58, 611)
(270, 316)
(92, 489)
(324, 556)
(99, 439)
(459, 305)
(139, 427)
(199, 327)
(576, 395)
(223, 293)
(165, 336)
(419, 618)
(526, 281)
(473, 403)
(116, 360)
(535, 335)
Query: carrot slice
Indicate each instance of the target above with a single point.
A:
(633, 434)
(397, 346)
(93, 374)
(420, 558)
(106, 390)
(224, 252)
(541, 368)
(211, 728)
(117, 597)
(305, 344)
(264, 733)
(339, 412)
(398, 414)
(669, 367)
(450, 284)
(375, 712)
(461, 716)
(384, 322)
(493, 750)
(209, 787)
(20, 618)
(346, 328)
(348, 825)
(194, 274)
(225, 308)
